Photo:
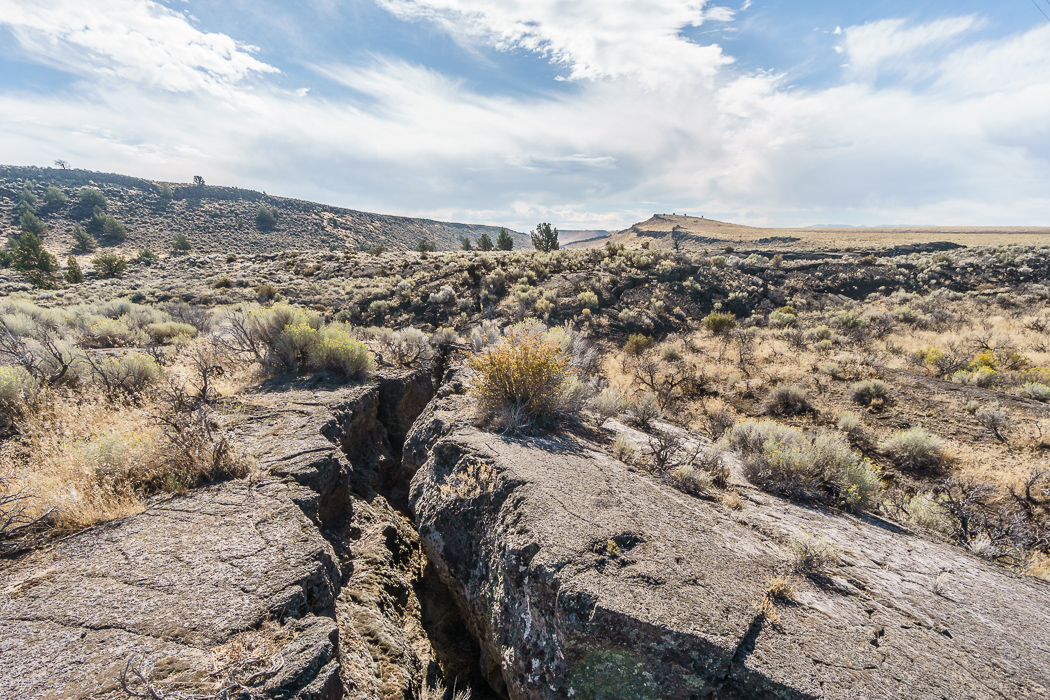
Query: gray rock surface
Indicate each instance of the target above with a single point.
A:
(583, 577)
(168, 585)
(305, 550)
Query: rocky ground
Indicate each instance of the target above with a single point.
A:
(381, 537)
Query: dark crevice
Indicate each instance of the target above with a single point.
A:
(371, 435)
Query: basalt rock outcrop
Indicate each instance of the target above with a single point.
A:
(307, 552)
(582, 577)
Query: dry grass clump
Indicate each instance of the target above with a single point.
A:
(869, 391)
(608, 403)
(524, 380)
(787, 400)
(811, 553)
(915, 449)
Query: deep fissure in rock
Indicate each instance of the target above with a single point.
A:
(391, 602)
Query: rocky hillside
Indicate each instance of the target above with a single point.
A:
(216, 219)
(696, 232)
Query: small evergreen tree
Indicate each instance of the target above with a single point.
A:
(28, 197)
(485, 242)
(55, 197)
(31, 258)
(266, 218)
(108, 226)
(503, 240)
(181, 243)
(425, 246)
(82, 240)
(545, 238)
(31, 223)
(73, 275)
(464, 243)
(165, 192)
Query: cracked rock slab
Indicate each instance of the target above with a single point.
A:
(166, 585)
(584, 578)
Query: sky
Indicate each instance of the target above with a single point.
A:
(589, 114)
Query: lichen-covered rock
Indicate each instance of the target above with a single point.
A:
(582, 577)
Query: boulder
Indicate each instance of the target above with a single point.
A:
(583, 577)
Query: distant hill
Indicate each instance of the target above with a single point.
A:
(219, 219)
(691, 232)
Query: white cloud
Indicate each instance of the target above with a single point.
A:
(133, 40)
(892, 42)
(611, 38)
(972, 146)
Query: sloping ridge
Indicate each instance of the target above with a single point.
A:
(222, 219)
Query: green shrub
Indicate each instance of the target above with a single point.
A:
(719, 322)
(780, 319)
(266, 325)
(110, 333)
(870, 390)
(718, 261)
(784, 460)
(335, 350)
(588, 299)
(788, 399)
(166, 331)
(1037, 391)
(165, 192)
(408, 347)
(915, 449)
(131, 373)
(848, 422)
(293, 345)
(644, 410)
(983, 377)
(636, 344)
(425, 246)
(17, 387)
(147, 256)
(110, 264)
(92, 198)
(811, 554)
(266, 292)
(607, 404)
(181, 243)
(82, 240)
(925, 509)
